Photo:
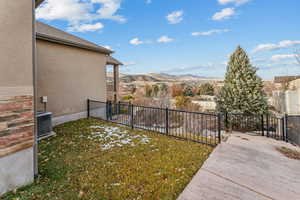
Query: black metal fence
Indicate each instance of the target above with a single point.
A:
(198, 127)
(195, 126)
(293, 128)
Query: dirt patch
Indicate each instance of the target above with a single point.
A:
(293, 154)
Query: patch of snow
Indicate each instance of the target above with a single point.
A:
(115, 137)
(116, 184)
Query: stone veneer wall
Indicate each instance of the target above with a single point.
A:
(17, 52)
(16, 124)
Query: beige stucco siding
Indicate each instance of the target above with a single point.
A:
(68, 76)
(16, 43)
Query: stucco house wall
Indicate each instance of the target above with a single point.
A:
(288, 101)
(68, 76)
(16, 94)
(293, 98)
(69, 69)
(292, 101)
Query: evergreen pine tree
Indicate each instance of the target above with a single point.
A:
(243, 88)
(188, 92)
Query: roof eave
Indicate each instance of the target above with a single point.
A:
(113, 61)
(73, 44)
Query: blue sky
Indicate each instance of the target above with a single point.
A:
(185, 36)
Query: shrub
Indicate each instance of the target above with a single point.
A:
(206, 89)
(181, 102)
(128, 97)
(148, 90)
(188, 92)
(176, 90)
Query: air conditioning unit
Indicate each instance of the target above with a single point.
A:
(44, 125)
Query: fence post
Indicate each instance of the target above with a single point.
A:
(286, 127)
(167, 121)
(226, 120)
(106, 104)
(88, 108)
(129, 108)
(282, 127)
(268, 124)
(109, 110)
(262, 125)
(119, 108)
(219, 127)
(131, 113)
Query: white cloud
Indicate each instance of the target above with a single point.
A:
(280, 57)
(136, 41)
(236, 2)
(226, 13)
(69, 10)
(148, 1)
(210, 32)
(126, 64)
(79, 11)
(175, 17)
(109, 9)
(108, 47)
(280, 45)
(165, 39)
(86, 27)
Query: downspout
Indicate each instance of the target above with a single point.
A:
(35, 146)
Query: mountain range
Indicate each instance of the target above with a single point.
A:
(162, 77)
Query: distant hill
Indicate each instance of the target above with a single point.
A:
(132, 78)
(161, 77)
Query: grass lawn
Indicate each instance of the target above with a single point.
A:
(92, 159)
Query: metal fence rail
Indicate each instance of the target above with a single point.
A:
(194, 126)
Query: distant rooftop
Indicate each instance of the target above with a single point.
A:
(284, 79)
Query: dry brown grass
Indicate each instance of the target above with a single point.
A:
(73, 165)
(293, 154)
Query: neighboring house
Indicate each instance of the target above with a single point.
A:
(288, 101)
(69, 71)
(65, 68)
(284, 79)
(292, 98)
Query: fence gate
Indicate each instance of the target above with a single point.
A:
(265, 125)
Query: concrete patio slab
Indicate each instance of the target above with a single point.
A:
(246, 167)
